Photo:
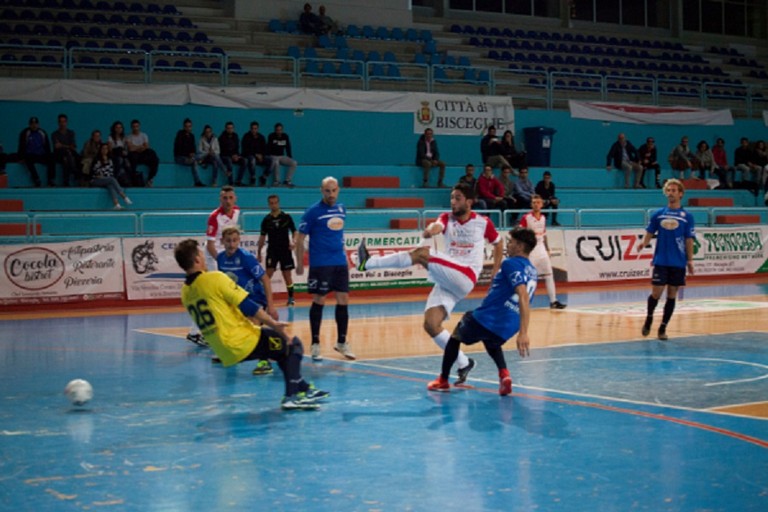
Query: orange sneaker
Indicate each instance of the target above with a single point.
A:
(505, 383)
(439, 384)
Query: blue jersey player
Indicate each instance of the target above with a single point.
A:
(674, 231)
(323, 223)
(243, 268)
(504, 312)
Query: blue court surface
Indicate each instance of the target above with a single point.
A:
(618, 426)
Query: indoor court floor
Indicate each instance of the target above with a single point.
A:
(601, 419)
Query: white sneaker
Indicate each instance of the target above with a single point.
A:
(316, 352)
(343, 349)
(128, 201)
(118, 207)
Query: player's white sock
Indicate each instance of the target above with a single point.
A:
(396, 260)
(442, 340)
(194, 330)
(550, 282)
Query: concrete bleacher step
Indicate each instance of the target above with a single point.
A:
(404, 223)
(3, 181)
(394, 202)
(11, 205)
(711, 201)
(371, 182)
(737, 219)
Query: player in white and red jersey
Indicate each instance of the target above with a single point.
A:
(454, 271)
(537, 222)
(226, 215)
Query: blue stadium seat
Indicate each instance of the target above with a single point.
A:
(425, 35)
(374, 56)
(324, 41)
(311, 67)
(114, 33)
(342, 53)
(340, 42)
(292, 27)
(120, 6)
(275, 25)
(329, 68)
(411, 35)
(201, 37)
(310, 53)
(353, 30)
(170, 9)
(389, 57)
(393, 71)
(397, 34)
(377, 71)
(368, 32)
(151, 21)
(136, 7)
(293, 51)
(382, 33)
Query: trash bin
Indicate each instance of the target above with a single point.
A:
(538, 145)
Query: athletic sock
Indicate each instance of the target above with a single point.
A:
(342, 322)
(652, 303)
(290, 290)
(449, 356)
(396, 260)
(315, 319)
(498, 357)
(442, 339)
(550, 282)
(669, 308)
(291, 368)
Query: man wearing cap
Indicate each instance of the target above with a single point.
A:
(35, 148)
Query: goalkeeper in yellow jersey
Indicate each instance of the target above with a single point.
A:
(226, 318)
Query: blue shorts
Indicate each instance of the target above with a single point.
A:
(664, 275)
(322, 280)
(470, 331)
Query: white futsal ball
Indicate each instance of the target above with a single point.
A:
(79, 391)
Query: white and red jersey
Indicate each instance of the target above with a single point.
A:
(464, 241)
(536, 224)
(218, 221)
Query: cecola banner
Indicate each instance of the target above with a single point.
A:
(62, 272)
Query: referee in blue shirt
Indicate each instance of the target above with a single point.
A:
(675, 233)
(323, 222)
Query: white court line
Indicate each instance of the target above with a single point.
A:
(567, 393)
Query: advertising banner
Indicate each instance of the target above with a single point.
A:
(612, 255)
(61, 272)
(449, 114)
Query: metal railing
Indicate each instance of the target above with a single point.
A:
(253, 69)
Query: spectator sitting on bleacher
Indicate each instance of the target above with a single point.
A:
(524, 189)
(649, 160)
(103, 175)
(139, 153)
(119, 148)
(428, 156)
(229, 142)
(185, 151)
(546, 190)
(726, 172)
(761, 159)
(35, 148)
(329, 24)
(682, 158)
(706, 162)
(744, 161)
(254, 150)
(470, 180)
(506, 179)
(3, 160)
(309, 22)
(510, 153)
(490, 190)
(209, 151)
(65, 151)
(490, 149)
(90, 152)
(624, 157)
(280, 153)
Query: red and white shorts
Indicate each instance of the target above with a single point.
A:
(453, 281)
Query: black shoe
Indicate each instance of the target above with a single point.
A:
(464, 372)
(199, 184)
(555, 223)
(658, 185)
(262, 181)
(662, 334)
(197, 339)
(288, 184)
(647, 325)
(557, 305)
(362, 256)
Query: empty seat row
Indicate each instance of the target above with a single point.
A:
(96, 32)
(366, 32)
(96, 18)
(557, 36)
(626, 74)
(90, 5)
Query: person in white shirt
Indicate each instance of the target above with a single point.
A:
(139, 152)
(454, 271)
(537, 222)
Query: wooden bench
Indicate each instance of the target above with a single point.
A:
(394, 202)
(694, 184)
(371, 182)
(737, 219)
(711, 201)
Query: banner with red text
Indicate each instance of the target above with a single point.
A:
(77, 271)
(649, 114)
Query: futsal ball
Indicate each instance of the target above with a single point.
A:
(79, 391)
